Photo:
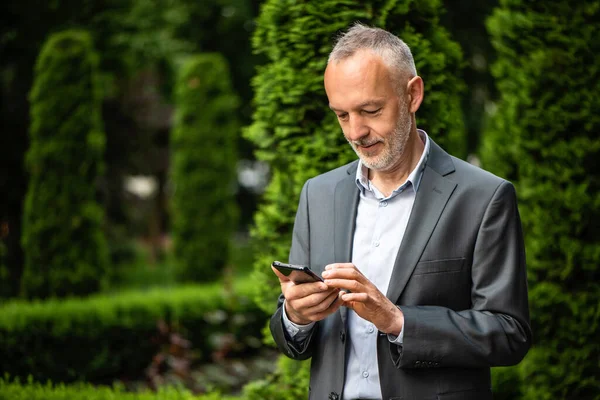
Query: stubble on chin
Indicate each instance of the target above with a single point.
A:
(393, 147)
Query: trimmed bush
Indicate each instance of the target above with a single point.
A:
(65, 249)
(103, 337)
(204, 168)
(48, 391)
(547, 133)
(289, 382)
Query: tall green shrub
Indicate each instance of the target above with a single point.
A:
(65, 250)
(548, 126)
(204, 167)
(293, 128)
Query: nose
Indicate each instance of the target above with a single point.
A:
(356, 127)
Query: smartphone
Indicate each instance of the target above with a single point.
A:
(297, 273)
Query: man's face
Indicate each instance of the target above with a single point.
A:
(375, 119)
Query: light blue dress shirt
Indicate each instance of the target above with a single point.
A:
(380, 225)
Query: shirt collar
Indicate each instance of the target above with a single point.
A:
(414, 179)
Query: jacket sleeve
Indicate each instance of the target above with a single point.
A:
(299, 254)
(496, 330)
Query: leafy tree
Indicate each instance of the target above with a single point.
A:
(545, 136)
(65, 250)
(294, 130)
(204, 167)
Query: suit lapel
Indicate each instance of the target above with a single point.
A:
(430, 201)
(346, 205)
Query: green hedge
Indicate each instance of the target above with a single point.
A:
(101, 338)
(289, 382)
(545, 135)
(65, 249)
(48, 391)
(203, 147)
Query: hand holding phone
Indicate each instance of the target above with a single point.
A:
(297, 273)
(305, 303)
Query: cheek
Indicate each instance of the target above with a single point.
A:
(383, 127)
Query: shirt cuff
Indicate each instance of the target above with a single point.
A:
(296, 331)
(397, 339)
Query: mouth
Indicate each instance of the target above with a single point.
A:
(368, 146)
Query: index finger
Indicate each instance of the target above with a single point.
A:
(343, 271)
(339, 265)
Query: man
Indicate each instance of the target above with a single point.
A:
(422, 254)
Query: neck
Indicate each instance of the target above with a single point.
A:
(389, 180)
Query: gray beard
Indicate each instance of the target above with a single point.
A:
(395, 145)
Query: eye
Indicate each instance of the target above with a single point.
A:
(372, 112)
(342, 116)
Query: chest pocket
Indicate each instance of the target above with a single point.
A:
(439, 266)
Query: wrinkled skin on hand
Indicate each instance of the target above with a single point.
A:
(362, 296)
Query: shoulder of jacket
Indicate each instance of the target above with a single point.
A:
(335, 175)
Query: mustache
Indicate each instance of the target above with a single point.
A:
(365, 142)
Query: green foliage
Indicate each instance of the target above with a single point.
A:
(289, 382)
(203, 167)
(47, 391)
(65, 250)
(138, 273)
(545, 136)
(294, 130)
(466, 22)
(102, 338)
(139, 42)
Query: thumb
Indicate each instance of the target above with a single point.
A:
(282, 277)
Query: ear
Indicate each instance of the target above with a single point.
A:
(415, 91)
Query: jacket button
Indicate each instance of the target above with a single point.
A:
(343, 336)
(333, 396)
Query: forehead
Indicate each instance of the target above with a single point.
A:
(361, 78)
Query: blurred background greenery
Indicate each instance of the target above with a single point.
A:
(152, 153)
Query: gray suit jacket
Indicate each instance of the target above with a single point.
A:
(459, 279)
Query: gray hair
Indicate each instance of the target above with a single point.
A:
(394, 52)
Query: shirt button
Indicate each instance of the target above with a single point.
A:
(376, 244)
(365, 374)
(383, 204)
(370, 329)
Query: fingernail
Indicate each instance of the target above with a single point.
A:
(325, 274)
(329, 266)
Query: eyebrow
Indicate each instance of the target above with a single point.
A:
(377, 103)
